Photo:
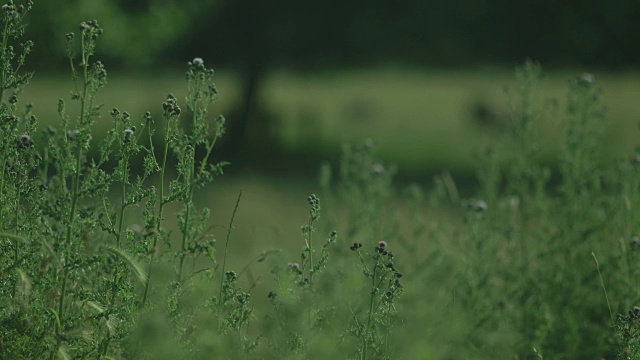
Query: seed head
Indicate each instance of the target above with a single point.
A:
(295, 267)
(24, 142)
(72, 134)
(127, 135)
(148, 118)
(171, 106)
(313, 200)
(198, 61)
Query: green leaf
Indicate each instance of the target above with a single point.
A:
(135, 266)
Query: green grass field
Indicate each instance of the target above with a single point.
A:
(419, 119)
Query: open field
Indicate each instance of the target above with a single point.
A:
(419, 119)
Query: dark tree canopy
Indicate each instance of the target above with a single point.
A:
(310, 35)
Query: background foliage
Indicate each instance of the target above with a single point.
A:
(337, 33)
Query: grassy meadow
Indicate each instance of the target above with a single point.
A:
(124, 236)
(420, 119)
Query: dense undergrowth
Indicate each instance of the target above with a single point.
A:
(96, 262)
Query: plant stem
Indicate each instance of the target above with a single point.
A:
(191, 182)
(5, 39)
(226, 245)
(116, 270)
(311, 249)
(75, 185)
(161, 207)
(17, 248)
(187, 215)
(603, 287)
(374, 290)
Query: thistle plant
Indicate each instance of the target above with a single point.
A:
(628, 333)
(17, 157)
(194, 173)
(307, 263)
(58, 187)
(380, 268)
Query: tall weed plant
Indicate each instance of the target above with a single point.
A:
(106, 252)
(93, 266)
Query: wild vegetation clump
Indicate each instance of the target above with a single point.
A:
(106, 252)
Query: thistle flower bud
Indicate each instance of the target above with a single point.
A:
(72, 134)
(148, 118)
(24, 142)
(127, 135)
(295, 267)
(198, 61)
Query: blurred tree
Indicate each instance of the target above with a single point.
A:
(355, 32)
(136, 31)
